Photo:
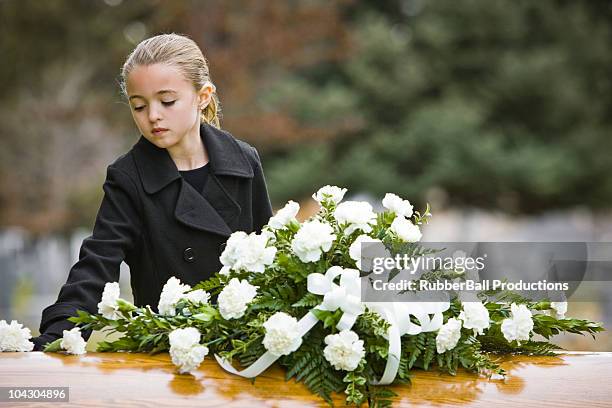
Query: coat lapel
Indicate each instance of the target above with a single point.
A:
(215, 210)
(194, 210)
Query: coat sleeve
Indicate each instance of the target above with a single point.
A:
(262, 208)
(116, 232)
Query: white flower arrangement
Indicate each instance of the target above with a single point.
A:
(292, 295)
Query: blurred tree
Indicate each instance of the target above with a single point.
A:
(502, 104)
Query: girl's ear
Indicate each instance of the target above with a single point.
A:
(205, 94)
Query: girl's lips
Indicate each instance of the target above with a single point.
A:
(159, 131)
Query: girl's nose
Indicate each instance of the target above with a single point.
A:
(154, 114)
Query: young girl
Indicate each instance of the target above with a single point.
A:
(171, 202)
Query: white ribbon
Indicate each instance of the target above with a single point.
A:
(397, 314)
(267, 359)
(346, 296)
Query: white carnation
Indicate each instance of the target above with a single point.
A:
(406, 230)
(356, 246)
(14, 337)
(230, 255)
(284, 216)
(172, 292)
(185, 349)
(198, 296)
(396, 204)
(235, 297)
(475, 316)
(329, 193)
(187, 360)
(313, 238)
(519, 325)
(344, 350)
(448, 335)
(108, 306)
(247, 252)
(560, 309)
(357, 214)
(282, 334)
(255, 255)
(73, 342)
(184, 338)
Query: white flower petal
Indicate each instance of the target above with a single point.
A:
(406, 230)
(15, 337)
(344, 350)
(282, 334)
(235, 297)
(330, 194)
(396, 204)
(313, 238)
(73, 342)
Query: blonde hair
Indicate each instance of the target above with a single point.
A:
(179, 51)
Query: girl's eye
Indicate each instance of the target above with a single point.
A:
(138, 108)
(169, 103)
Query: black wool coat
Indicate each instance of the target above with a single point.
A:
(156, 222)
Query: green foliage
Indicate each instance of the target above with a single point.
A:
(380, 397)
(308, 300)
(276, 297)
(249, 351)
(548, 326)
(212, 285)
(356, 390)
(469, 355)
(329, 318)
(308, 365)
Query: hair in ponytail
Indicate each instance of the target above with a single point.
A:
(182, 52)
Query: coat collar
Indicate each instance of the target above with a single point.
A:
(215, 209)
(157, 169)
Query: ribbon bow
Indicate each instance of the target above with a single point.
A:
(398, 315)
(345, 296)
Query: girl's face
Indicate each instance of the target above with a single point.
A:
(164, 104)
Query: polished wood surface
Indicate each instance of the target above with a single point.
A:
(140, 380)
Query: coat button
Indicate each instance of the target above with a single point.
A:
(189, 255)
